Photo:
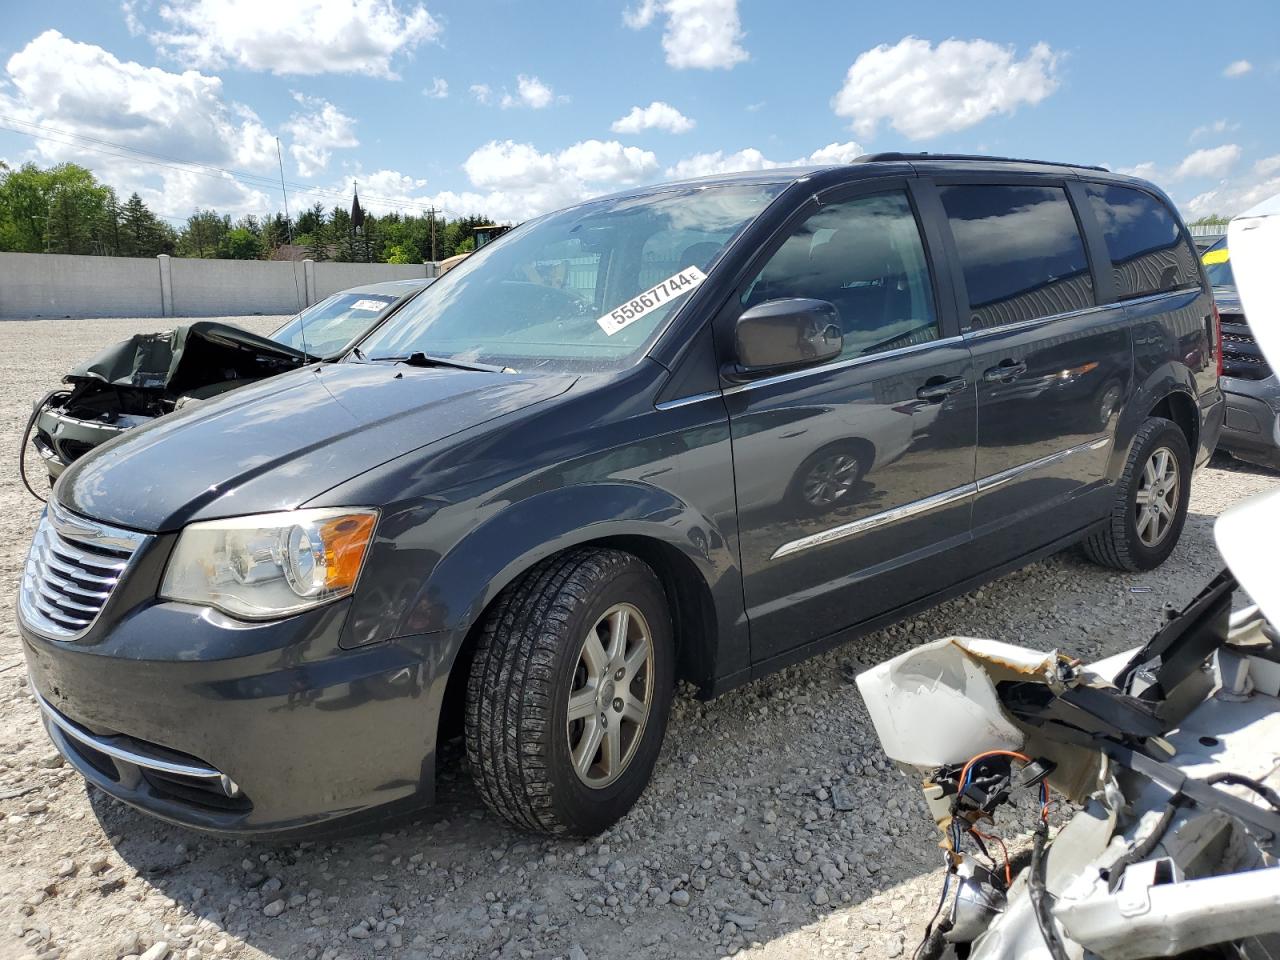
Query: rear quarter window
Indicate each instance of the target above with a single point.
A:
(1148, 250)
(1020, 251)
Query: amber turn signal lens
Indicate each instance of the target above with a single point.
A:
(345, 541)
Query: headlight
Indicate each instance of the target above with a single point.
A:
(272, 564)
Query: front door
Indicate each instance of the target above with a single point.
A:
(1054, 367)
(854, 478)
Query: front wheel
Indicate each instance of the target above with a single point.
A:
(569, 692)
(1151, 501)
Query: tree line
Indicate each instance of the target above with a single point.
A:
(65, 209)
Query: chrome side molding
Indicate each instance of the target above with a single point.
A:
(893, 515)
(945, 498)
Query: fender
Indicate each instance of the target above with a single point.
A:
(1168, 379)
(497, 551)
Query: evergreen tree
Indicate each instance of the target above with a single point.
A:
(142, 233)
(312, 218)
(275, 232)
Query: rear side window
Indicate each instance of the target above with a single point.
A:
(1148, 251)
(1020, 251)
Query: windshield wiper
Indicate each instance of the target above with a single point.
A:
(423, 360)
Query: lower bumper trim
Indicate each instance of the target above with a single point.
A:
(132, 754)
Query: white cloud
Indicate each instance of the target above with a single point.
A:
(717, 162)
(315, 133)
(89, 92)
(699, 34)
(1236, 195)
(438, 90)
(508, 165)
(835, 153)
(513, 181)
(530, 92)
(482, 92)
(1218, 126)
(132, 22)
(923, 91)
(1146, 170)
(1237, 68)
(381, 191)
(656, 116)
(1210, 162)
(1267, 166)
(294, 36)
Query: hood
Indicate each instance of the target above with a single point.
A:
(279, 443)
(188, 356)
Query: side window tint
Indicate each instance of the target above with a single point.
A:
(865, 256)
(1020, 250)
(1148, 251)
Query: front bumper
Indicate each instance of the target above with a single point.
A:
(235, 728)
(1253, 417)
(61, 439)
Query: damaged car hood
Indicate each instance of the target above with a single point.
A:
(276, 444)
(187, 356)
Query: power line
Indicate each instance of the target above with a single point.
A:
(180, 165)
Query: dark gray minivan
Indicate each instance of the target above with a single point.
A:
(693, 431)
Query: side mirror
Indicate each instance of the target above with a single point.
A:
(780, 335)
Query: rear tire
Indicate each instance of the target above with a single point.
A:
(1150, 509)
(587, 630)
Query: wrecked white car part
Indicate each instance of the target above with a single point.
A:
(1175, 849)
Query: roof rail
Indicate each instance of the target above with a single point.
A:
(879, 157)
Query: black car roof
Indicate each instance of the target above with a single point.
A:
(881, 164)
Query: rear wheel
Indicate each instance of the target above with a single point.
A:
(569, 691)
(1151, 501)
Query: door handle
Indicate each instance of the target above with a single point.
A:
(937, 392)
(1004, 371)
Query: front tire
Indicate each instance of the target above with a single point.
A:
(1150, 509)
(568, 695)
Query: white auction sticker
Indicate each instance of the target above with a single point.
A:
(368, 305)
(658, 295)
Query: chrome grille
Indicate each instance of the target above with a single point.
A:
(72, 567)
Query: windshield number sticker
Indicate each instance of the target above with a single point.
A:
(645, 303)
(368, 305)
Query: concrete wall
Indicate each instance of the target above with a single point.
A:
(55, 285)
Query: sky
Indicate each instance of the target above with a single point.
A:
(513, 108)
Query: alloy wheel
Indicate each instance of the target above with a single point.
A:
(611, 696)
(1156, 504)
(830, 479)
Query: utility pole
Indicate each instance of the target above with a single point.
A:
(433, 235)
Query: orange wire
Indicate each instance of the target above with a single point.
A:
(964, 771)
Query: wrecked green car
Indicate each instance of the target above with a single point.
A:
(152, 374)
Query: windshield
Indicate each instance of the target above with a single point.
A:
(1217, 264)
(333, 322)
(584, 289)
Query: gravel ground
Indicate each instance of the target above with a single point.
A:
(736, 846)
